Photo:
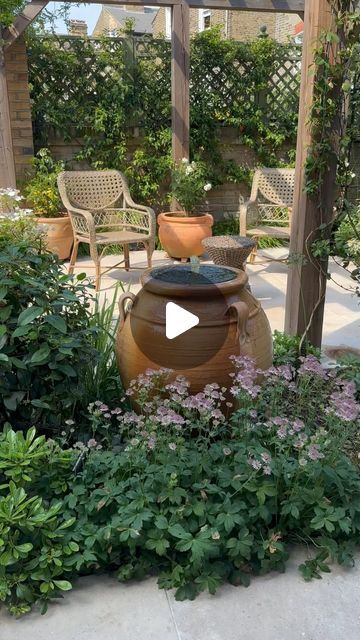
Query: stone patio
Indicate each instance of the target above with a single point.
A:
(274, 607)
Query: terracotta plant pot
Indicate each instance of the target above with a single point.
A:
(59, 235)
(232, 322)
(181, 235)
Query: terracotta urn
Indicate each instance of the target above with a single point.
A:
(231, 322)
(59, 235)
(181, 235)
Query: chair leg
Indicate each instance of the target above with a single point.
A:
(97, 276)
(73, 256)
(97, 261)
(149, 251)
(126, 257)
(253, 254)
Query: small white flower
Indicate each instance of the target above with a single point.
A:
(353, 175)
(188, 170)
(207, 186)
(185, 161)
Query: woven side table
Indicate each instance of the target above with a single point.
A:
(231, 251)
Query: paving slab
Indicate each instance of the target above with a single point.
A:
(276, 607)
(273, 607)
(99, 608)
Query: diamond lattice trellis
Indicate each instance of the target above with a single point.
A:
(229, 89)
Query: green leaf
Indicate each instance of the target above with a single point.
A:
(63, 585)
(29, 315)
(12, 401)
(24, 548)
(178, 531)
(161, 522)
(6, 559)
(41, 355)
(21, 331)
(57, 322)
(187, 592)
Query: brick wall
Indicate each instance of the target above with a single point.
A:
(285, 26)
(19, 106)
(159, 22)
(105, 23)
(242, 25)
(223, 201)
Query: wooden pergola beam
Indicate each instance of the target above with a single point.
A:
(24, 19)
(180, 76)
(275, 6)
(7, 162)
(307, 278)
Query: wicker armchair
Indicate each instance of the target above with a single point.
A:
(268, 211)
(103, 213)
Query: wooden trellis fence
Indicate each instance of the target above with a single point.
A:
(230, 90)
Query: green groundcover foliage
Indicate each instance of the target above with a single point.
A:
(196, 489)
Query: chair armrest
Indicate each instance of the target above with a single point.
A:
(244, 208)
(129, 202)
(82, 214)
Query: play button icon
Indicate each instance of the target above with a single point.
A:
(178, 320)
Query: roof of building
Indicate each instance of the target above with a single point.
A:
(142, 20)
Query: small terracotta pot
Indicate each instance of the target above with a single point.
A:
(181, 235)
(59, 235)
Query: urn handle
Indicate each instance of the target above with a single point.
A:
(124, 310)
(242, 312)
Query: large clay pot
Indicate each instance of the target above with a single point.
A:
(59, 235)
(228, 309)
(181, 235)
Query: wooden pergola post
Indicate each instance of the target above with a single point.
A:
(180, 72)
(7, 163)
(306, 286)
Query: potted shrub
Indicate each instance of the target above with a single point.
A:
(181, 232)
(42, 195)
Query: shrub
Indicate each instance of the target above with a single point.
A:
(101, 378)
(289, 349)
(45, 338)
(36, 546)
(41, 190)
(347, 237)
(189, 184)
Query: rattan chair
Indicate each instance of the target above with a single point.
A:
(268, 212)
(103, 213)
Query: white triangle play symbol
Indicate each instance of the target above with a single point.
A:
(178, 320)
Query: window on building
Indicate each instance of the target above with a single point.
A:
(204, 19)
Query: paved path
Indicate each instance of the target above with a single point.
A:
(274, 607)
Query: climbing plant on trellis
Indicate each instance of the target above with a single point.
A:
(99, 92)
